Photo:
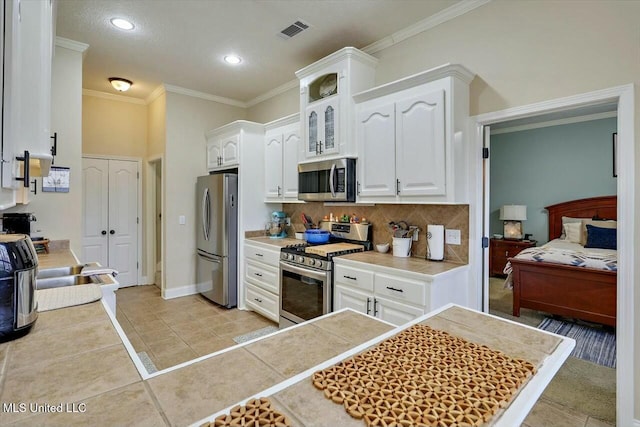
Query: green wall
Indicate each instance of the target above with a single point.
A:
(544, 166)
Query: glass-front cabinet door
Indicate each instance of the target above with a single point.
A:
(322, 128)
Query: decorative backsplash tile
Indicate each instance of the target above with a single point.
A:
(451, 216)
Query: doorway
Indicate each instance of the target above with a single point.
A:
(623, 97)
(154, 216)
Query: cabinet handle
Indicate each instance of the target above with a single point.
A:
(103, 232)
(112, 231)
(316, 147)
(25, 169)
(258, 274)
(368, 302)
(54, 147)
(358, 187)
(398, 186)
(259, 255)
(394, 289)
(278, 191)
(375, 307)
(258, 299)
(350, 277)
(320, 147)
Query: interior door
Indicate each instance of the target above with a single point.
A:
(110, 216)
(95, 210)
(123, 220)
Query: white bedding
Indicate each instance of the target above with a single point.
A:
(559, 251)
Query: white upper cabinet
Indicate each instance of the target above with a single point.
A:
(28, 54)
(327, 110)
(282, 146)
(410, 137)
(223, 151)
(420, 145)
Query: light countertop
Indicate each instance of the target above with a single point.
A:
(276, 243)
(411, 264)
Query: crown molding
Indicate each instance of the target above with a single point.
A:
(558, 122)
(293, 84)
(205, 96)
(72, 45)
(112, 97)
(426, 24)
(160, 90)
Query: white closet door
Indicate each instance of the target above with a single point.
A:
(110, 216)
(95, 207)
(123, 218)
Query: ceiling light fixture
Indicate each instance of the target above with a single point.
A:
(121, 23)
(120, 84)
(232, 59)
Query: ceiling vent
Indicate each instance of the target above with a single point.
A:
(293, 29)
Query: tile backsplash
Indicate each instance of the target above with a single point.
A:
(451, 216)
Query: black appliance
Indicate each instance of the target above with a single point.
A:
(327, 180)
(306, 271)
(17, 223)
(18, 269)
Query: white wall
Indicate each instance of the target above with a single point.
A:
(59, 214)
(187, 120)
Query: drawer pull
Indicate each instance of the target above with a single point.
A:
(368, 302)
(258, 274)
(375, 307)
(258, 299)
(259, 255)
(394, 289)
(350, 277)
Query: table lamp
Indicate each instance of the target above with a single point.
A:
(513, 215)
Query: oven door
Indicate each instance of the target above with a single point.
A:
(304, 293)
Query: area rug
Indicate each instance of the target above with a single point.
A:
(592, 344)
(255, 334)
(147, 362)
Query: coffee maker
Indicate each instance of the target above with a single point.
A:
(17, 223)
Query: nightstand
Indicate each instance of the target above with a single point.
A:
(500, 250)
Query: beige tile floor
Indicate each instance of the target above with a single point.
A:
(181, 329)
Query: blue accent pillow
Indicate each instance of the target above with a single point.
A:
(603, 238)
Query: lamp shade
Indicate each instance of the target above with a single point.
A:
(513, 213)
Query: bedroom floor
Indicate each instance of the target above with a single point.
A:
(581, 394)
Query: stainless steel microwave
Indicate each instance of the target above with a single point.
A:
(327, 181)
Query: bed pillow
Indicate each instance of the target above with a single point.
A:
(572, 232)
(595, 223)
(569, 220)
(602, 238)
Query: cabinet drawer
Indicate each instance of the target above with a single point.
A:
(271, 257)
(262, 275)
(409, 291)
(353, 277)
(263, 302)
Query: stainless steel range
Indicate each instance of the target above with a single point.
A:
(306, 271)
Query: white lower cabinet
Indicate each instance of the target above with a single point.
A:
(393, 295)
(261, 279)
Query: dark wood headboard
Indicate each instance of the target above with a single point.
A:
(604, 207)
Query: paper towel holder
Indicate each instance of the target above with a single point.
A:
(435, 242)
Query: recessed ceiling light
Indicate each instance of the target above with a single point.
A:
(120, 84)
(232, 59)
(121, 23)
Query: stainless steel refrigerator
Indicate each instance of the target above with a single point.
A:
(217, 238)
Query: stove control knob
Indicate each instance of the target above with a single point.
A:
(312, 261)
(290, 257)
(301, 259)
(319, 264)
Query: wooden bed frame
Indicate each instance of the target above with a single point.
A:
(565, 290)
